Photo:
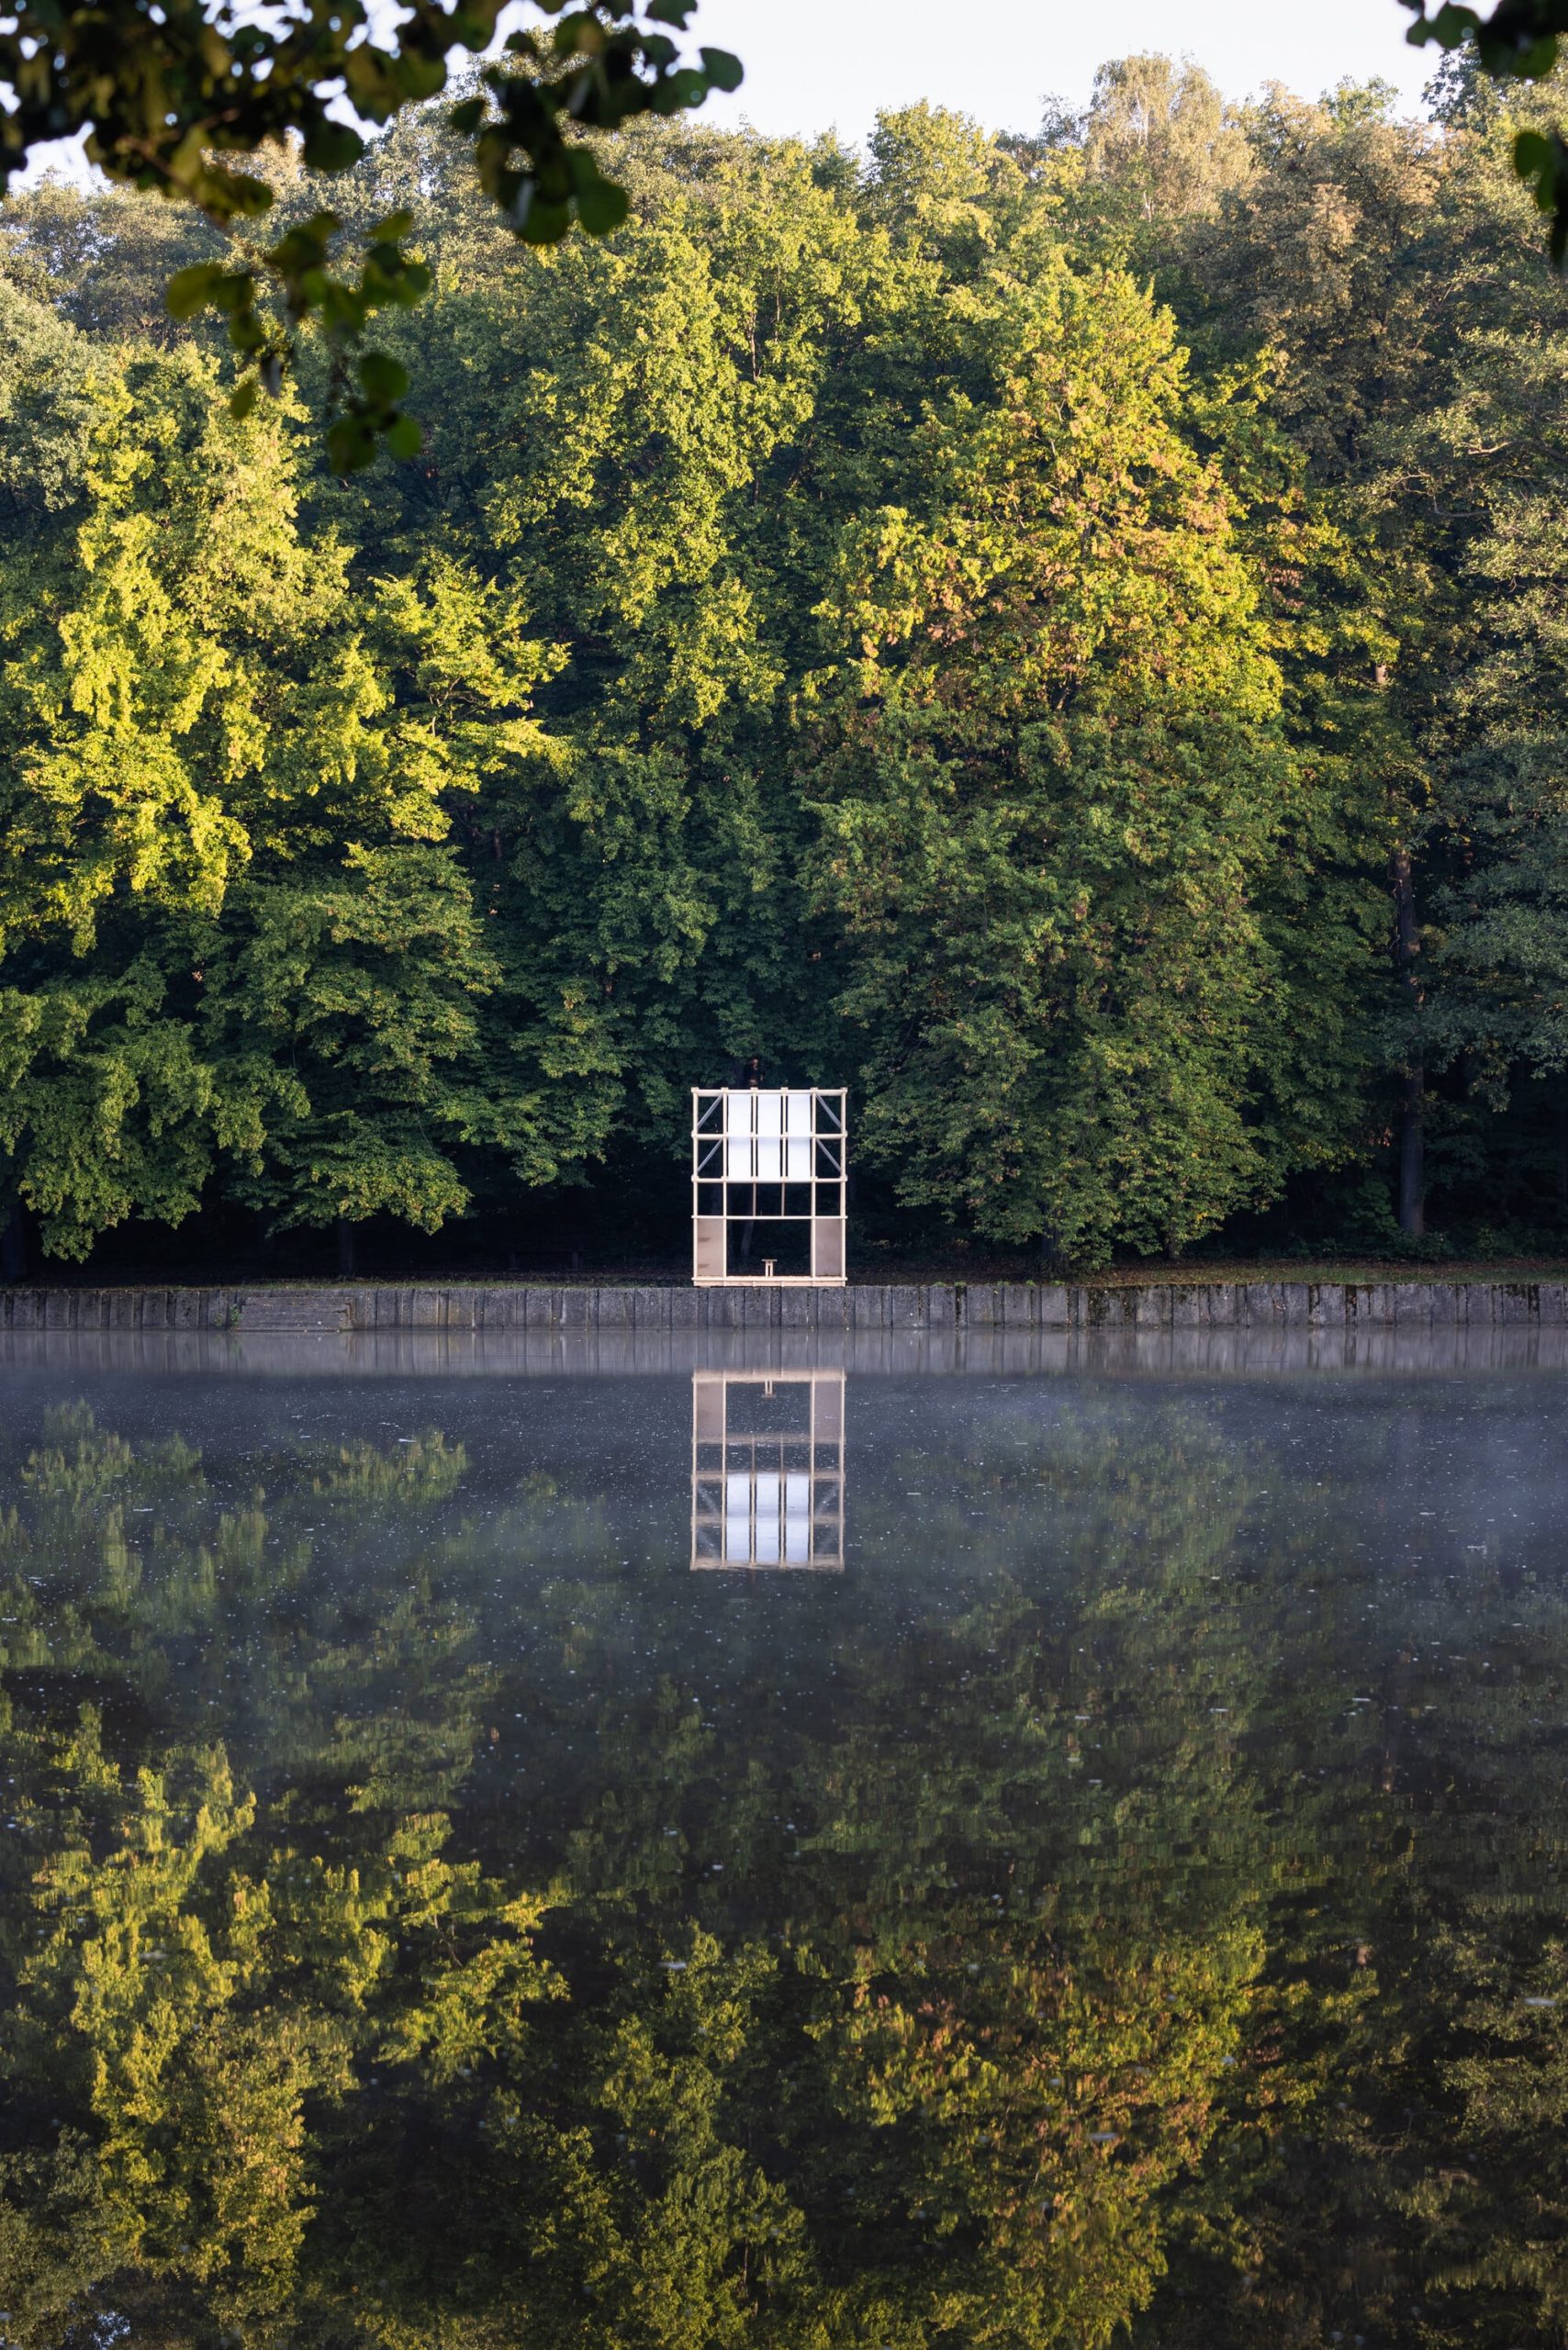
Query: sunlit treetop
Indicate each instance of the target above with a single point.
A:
(171, 94)
(174, 94)
(1521, 40)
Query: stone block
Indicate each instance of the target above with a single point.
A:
(1053, 1309)
(981, 1304)
(1020, 1305)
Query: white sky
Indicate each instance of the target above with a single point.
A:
(820, 64)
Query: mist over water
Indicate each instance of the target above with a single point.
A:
(1106, 1873)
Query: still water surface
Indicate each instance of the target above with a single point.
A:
(1099, 1870)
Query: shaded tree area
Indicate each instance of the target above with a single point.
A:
(1062, 635)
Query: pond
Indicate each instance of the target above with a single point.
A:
(791, 1856)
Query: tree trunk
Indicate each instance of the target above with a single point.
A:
(1413, 1103)
(345, 1249)
(1413, 1153)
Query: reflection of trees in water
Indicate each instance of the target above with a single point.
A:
(1004, 1992)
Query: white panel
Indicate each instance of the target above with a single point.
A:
(769, 1159)
(740, 1112)
(798, 1112)
(737, 1495)
(766, 1492)
(769, 1112)
(766, 1552)
(797, 1519)
(737, 1538)
(797, 1159)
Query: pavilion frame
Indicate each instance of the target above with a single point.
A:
(768, 1154)
(764, 1498)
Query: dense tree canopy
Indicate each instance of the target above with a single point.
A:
(1061, 633)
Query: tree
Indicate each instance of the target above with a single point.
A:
(168, 99)
(237, 930)
(1053, 787)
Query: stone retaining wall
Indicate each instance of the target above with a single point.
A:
(868, 1306)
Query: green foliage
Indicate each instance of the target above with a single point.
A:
(991, 624)
(167, 99)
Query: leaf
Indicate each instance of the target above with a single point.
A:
(332, 146)
(602, 206)
(404, 438)
(351, 444)
(191, 289)
(724, 70)
(242, 399)
(384, 380)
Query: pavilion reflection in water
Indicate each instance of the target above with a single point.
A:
(767, 1469)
